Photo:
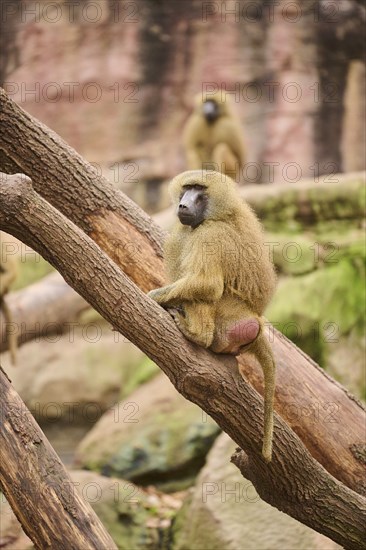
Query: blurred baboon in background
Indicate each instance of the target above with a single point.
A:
(213, 137)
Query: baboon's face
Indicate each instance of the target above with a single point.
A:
(210, 110)
(192, 205)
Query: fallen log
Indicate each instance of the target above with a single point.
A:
(49, 306)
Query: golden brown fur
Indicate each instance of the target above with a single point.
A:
(220, 143)
(221, 278)
(8, 274)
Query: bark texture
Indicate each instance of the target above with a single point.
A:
(38, 487)
(294, 481)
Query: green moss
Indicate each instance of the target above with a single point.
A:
(292, 254)
(316, 309)
(90, 316)
(302, 207)
(334, 294)
(124, 510)
(338, 231)
(165, 446)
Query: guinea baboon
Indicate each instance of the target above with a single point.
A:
(222, 275)
(8, 274)
(213, 137)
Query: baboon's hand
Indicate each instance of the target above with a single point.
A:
(154, 294)
(159, 294)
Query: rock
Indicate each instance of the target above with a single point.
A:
(292, 254)
(224, 511)
(123, 509)
(134, 375)
(78, 375)
(325, 315)
(292, 207)
(155, 436)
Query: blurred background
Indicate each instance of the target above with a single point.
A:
(117, 80)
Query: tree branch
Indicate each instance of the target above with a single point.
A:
(46, 307)
(37, 486)
(293, 482)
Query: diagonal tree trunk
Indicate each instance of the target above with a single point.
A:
(294, 481)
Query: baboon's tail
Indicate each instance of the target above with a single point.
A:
(263, 352)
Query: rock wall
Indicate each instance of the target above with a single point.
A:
(116, 80)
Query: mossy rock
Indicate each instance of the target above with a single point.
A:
(335, 295)
(294, 207)
(322, 310)
(292, 254)
(324, 246)
(154, 437)
(144, 371)
(123, 508)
